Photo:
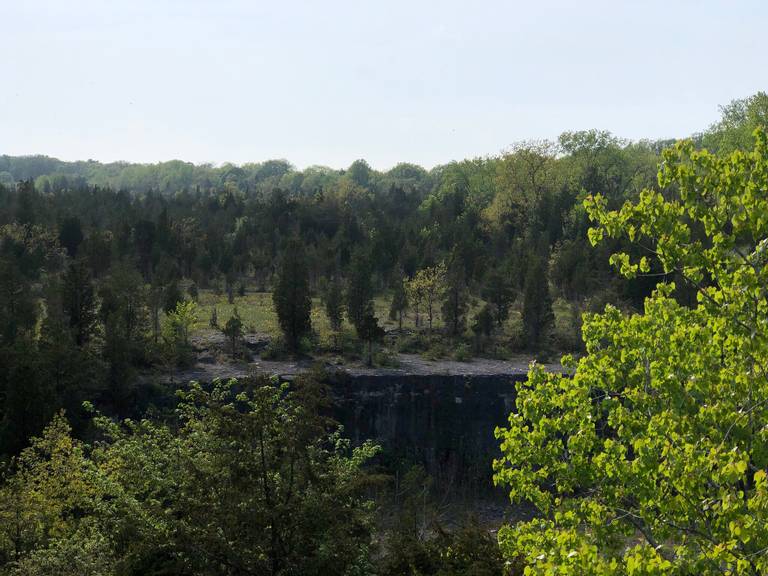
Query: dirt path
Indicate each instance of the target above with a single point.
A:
(409, 365)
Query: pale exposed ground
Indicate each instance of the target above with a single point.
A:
(212, 363)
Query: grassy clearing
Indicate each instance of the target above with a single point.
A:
(258, 315)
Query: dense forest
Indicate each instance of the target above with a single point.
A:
(642, 262)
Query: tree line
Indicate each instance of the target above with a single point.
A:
(651, 459)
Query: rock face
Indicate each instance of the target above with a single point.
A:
(440, 414)
(445, 422)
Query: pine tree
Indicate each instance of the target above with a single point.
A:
(18, 311)
(538, 317)
(359, 292)
(28, 401)
(172, 296)
(233, 330)
(482, 327)
(455, 299)
(71, 235)
(333, 300)
(291, 296)
(370, 332)
(79, 301)
(498, 291)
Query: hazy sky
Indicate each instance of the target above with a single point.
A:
(326, 82)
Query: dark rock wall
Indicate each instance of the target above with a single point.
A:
(445, 423)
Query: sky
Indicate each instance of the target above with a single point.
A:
(327, 82)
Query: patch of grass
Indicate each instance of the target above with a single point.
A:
(258, 314)
(255, 309)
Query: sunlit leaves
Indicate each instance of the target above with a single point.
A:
(652, 458)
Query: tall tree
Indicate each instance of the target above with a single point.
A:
(18, 311)
(360, 291)
(233, 330)
(498, 291)
(455, 298)
(291, 296)
(651, 458)
(333, 300)
(71, 235)
(538, 317)
(79, 301)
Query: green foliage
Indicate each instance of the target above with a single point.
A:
(333, 300)
(424, 289)
(651, 459)
(462, 353)
(17, 306)
(538, 317)
(498, 292)
(79, 300)
(359, 295)
(455, 298)
(252, 481)
(71, 235)
(291, 297)
(233, 330)
(193, 291)
(483, 325)
(176, 331)
(417, 545)
(738, 121)
(172, 296)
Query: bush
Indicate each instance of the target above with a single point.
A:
(462, 353)
(275, 350)
(437, 350)
(385, 358)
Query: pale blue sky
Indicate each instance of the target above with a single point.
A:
(326, 82)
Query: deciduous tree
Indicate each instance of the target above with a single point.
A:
(652, 458)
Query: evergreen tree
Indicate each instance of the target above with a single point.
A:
(333, 300)
(455, 299)
(538, 317)
(233, 330)
(125, 300)
(482, 327)
(29, 401)
(291, 296)
(498, 292)
(370, 332)
(18, 311)
(359, 292)
(71, 235)
(26, 199)
(79, 301)
(172, 296)
(74, 373)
